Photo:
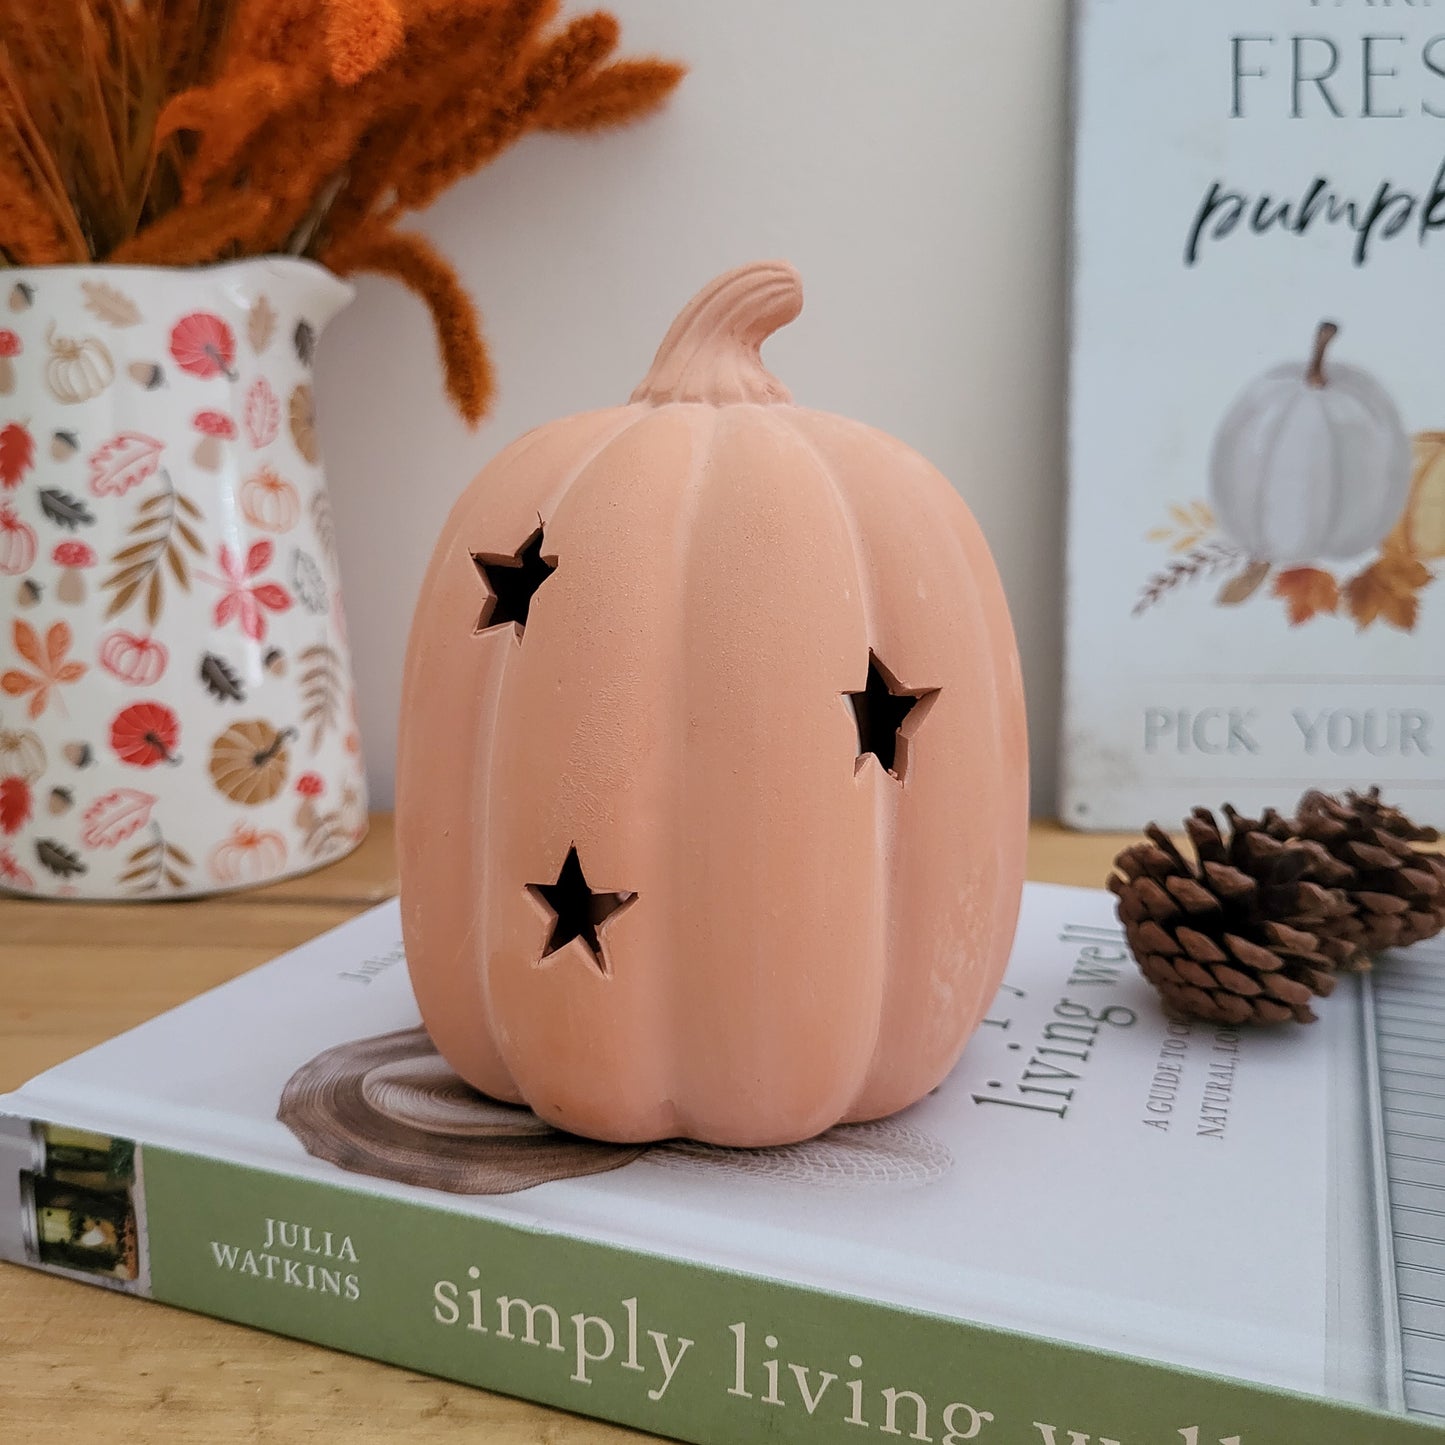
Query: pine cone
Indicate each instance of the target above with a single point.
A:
(1249, 933)
(1398, 891)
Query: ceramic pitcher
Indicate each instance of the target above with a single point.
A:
(176, 706)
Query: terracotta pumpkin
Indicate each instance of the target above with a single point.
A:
(711, 798)
(1310, 462)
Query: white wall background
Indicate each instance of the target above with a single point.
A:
(909, 159)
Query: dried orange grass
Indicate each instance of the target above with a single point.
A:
(183, 132)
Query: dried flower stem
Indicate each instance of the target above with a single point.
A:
(412, 261)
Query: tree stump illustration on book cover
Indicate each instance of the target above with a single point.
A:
(391, 1107)
(1312, 465)
(711, 789)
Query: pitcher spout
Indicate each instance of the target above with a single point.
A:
(314, 290)
(327, 294)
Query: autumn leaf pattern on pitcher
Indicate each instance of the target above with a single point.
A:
(176, 706)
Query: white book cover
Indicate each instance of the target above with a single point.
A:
(1257, 441)
(1259, 1205)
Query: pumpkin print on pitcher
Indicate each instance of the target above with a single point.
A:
(1312, 468)
(165, 533)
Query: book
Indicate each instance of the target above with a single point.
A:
(1256, 530)
(1104, 1226)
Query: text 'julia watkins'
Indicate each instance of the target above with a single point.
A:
(318, 1270)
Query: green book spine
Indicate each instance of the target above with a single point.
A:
(665, 1345)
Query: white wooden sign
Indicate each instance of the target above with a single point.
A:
(1257, 438)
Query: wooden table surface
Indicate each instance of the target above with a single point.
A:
(80, 1364)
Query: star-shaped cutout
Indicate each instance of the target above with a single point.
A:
(513, 582)
(888, 716)
(577, 912)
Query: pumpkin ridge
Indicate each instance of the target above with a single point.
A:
(944, 515)
(452, 938)
(1332, 481)
(884, 817)
(1235, 512)
(565, 490)
(1380, 412)
(711, 351)
(1272, 434)
(797, 423)
(702, 428)
(752, 433)
(483, 792)
(1297, 396)
(1338, 530)
(628, 417)
(1339, 484)
(704, 438)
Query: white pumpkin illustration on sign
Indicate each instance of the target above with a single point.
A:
(1310, 462)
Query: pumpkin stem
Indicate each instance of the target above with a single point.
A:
(159, 744)
(259, 760)
(1315, 376)
(710, 353)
